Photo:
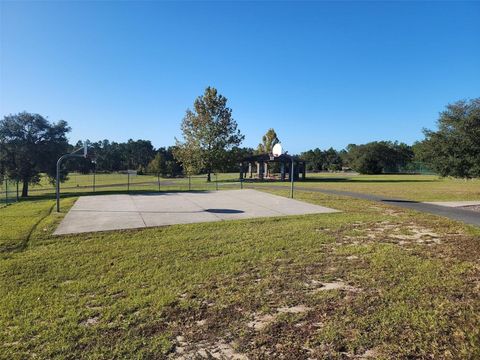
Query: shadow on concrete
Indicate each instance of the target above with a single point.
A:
(224, 211)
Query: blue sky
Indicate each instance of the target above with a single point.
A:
(321, 73)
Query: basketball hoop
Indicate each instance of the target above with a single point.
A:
(276, 151)
(80, 152)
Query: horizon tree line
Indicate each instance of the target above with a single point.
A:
(30, 145)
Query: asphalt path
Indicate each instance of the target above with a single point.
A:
(467, 216)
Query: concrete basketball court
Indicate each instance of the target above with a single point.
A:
(115, 212)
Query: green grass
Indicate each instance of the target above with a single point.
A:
(412, 187)
(131, 294)
(115, 182)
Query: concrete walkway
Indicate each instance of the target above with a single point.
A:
(114, 212)
(467, 216)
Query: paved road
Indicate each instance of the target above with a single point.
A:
(466, 216)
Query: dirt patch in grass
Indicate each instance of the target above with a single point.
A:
(334, 285)
(390, 232)
(260, 322)
(91, 321)
(204, 350)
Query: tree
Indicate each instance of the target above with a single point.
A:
(378, 157)
(268, 142)
(318, 160)
(454, 149)
(209, 132)
(138, 154)
(158, 165)
(31, 145)
(191, 157)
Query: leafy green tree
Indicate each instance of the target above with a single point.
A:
(209, 132)
(315, 159)
(233, 158)
(158, 165)
(138, 154)
(454, 149)
(318, 160)
(190, 155)
(266, 146)
(30, 145)
(378, 157)
(268, 142)
(173, 168)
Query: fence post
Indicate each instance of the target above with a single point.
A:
(241, 184)
(17, 190)
(6, 191)
(128, 181)
(158, 177)
(216, 181)
(189, 183)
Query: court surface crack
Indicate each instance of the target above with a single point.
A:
(138, 211)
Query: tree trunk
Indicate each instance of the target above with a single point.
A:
(25, 189)
(209, 178)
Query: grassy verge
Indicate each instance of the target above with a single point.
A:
(370, 281)
(412, 187)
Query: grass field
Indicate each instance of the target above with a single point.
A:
(411, 187)
(371, 281)
(115, 182)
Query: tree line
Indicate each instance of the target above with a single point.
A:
(375, 157)
(139, 155)
(452, 150)
(30, 145)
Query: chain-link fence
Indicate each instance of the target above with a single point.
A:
(8, 191)
(131, 181)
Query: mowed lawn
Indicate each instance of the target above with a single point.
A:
(117, 182)
(411, 187)
(372, 281)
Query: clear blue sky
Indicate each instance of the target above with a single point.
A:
(322, 74)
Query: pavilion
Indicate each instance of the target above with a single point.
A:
(261, 164)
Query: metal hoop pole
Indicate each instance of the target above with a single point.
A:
(291, 180)
(57, 179)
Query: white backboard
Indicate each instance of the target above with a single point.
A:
(277, 150)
